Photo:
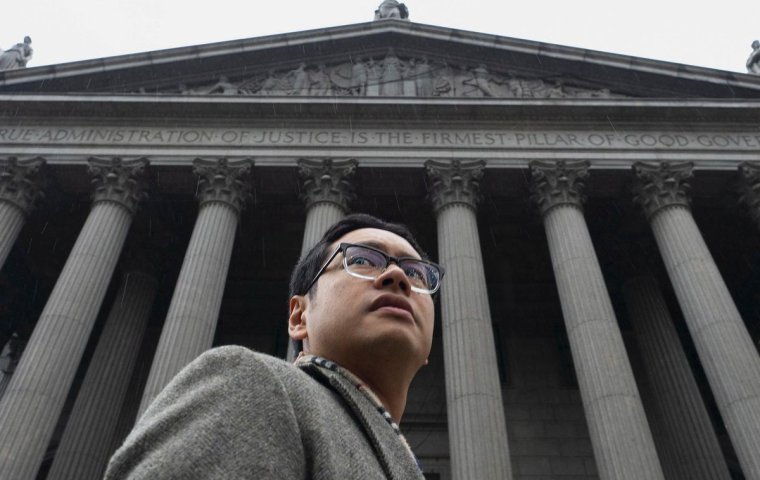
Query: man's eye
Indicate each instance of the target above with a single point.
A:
(415, 272)
(362, 261)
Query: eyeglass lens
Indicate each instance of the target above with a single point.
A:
(369, 263)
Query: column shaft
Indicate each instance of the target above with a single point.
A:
(5, 380)
(477, 427)
(319, 218)
(620, 435)
(723, 343)
(327, 191)
(34, 399)
(690, 448)
(131, 402)
(83, 450)
(193, 313)
(11, 222)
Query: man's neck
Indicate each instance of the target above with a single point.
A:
(388, 380)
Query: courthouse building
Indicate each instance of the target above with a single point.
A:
(597, 216)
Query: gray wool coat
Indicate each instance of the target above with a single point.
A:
(236, 414)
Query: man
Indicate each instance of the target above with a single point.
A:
(361, 307)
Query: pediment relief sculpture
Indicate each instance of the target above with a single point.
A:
(392, 76)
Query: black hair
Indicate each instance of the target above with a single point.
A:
(308, 266)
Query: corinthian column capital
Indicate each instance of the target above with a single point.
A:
(558, 183)
(116, 180)
(749, 188)
(222, 181)
(454, 182)
(661, 185)
(19, 182)
(327, 181)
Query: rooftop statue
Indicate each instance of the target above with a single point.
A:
(753, 62)
(17, 56)
(392, 9)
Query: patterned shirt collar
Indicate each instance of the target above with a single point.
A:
(306, 360)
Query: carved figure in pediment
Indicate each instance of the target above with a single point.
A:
(514, 87)
(298, 80)
(557, 90)
(534, 88)
(390, 83)
(17, 56)
(464, 83)
(482, 80)
(391, 9)
(423, 78)
(222, 86)
(359, 78)
(443, 81)
(603, 93)
(271, 86)
(374, 75)
(321, 85)
(409, 86)
(753, 62)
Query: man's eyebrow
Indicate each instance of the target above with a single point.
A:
(384, 248)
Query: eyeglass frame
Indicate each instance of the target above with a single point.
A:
(388, 259)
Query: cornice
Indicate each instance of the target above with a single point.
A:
(50, 106)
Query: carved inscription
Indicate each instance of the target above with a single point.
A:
(263, 137)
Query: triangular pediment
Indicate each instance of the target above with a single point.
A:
(388, 58)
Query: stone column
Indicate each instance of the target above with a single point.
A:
(729, 358)
(83, 451)
(193, 313)
(477, 427)
(690, 448)
(131, 402)
(620, 435)
(749, 189)
(327, 192)
(19, 191)
(34, 399)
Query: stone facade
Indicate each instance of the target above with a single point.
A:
(161, 218)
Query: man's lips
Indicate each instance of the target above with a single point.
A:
(394, 304)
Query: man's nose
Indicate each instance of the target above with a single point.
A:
(394, 275)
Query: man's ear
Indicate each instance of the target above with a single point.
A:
(297, 319)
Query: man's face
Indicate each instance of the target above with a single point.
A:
(348, 316)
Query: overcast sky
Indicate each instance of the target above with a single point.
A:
(715, 34)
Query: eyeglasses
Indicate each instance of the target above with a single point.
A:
(362, 261)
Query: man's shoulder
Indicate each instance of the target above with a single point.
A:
(241, 366)
(238, 355)
(230, 374)
(234, 361)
